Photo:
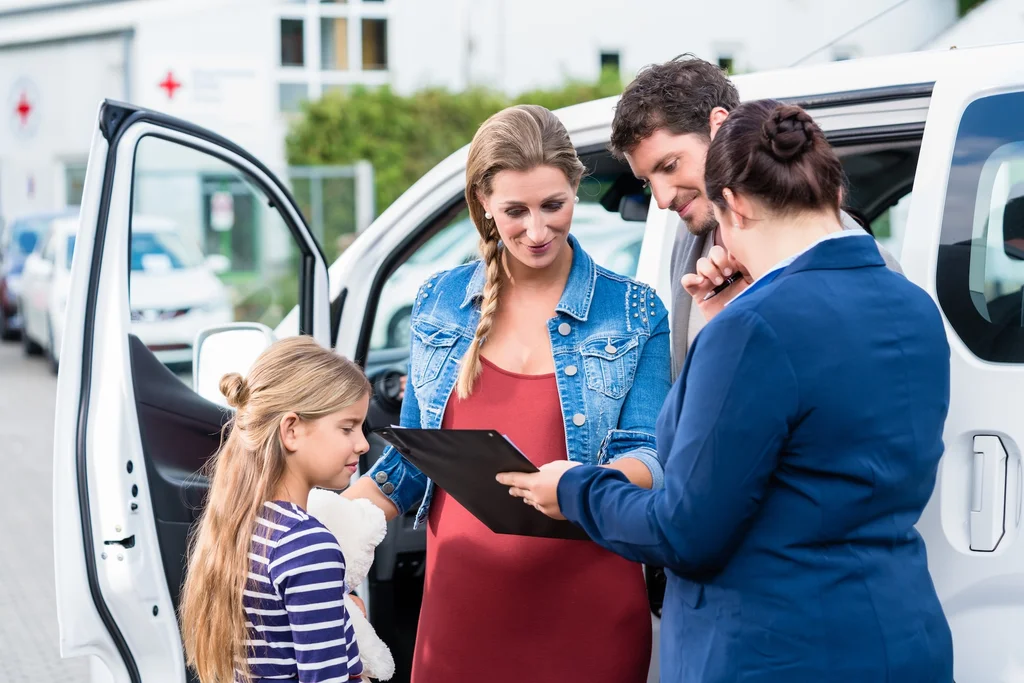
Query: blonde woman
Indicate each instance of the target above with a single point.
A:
(570, 361)
(266, 580)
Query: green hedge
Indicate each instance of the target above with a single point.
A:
(405, 136)
(965, 6)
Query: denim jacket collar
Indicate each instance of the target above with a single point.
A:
(579, 289)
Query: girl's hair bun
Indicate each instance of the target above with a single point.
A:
(235, 389)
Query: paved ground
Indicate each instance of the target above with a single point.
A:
(28, 613)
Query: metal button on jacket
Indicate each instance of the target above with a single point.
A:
(388, 489)
(610, 348)
(579, 419)
(564, 329)
(381, 477)
(570, 370)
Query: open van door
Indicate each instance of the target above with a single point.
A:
(963, 245)
(181, 230)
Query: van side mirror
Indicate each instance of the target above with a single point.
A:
(222, 349)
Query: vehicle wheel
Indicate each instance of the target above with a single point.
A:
(6, 333)
(30, 347)
(399, 331)
(51, 357)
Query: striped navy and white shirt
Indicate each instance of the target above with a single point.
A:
(298, 626)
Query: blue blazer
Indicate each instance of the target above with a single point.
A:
(801, 443)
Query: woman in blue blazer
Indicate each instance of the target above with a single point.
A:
(800, 443)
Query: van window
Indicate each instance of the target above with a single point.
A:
(162, 247)
(980, 271)
(208, 247)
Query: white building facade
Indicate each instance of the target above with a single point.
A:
(991, 23)
(242, 67)
(515, 45)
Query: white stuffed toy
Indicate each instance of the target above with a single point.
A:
(359, 526)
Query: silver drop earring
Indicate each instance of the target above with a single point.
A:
(577, 199)
(487, 215)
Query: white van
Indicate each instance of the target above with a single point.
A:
(935, 137)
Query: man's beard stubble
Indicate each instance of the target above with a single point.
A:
(704, 227)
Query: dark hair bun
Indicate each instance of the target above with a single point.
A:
(788, 133)
(235, 389)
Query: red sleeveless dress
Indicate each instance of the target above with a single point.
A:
(498, 609)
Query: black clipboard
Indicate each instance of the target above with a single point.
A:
(465, 462)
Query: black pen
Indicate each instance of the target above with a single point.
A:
(729, 281)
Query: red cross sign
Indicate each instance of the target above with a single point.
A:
(23, 108)
(170, 85)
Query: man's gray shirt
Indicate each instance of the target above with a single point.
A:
(686, 251)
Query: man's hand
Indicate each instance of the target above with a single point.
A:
(540, 489)
(712, 270)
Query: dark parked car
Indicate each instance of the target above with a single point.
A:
(18, 240)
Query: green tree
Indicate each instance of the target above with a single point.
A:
(965, 6)
(403, 137)
(575, 92)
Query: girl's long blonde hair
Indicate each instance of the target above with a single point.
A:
(519, 138)
(293, 375)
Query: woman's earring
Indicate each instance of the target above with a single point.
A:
(577, 199)
(487, 215)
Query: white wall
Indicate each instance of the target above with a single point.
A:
(520, 44)
(220, 51)
(20, 5)
(223, 55)
(63, 83)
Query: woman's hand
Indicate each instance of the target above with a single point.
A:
(712, 270)
(540, 489)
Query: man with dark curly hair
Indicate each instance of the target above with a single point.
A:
(663, 125)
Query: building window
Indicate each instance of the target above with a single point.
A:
(375, 44)
(291, 96)
(348, 44)
(334, 44)
(842, 53)
(74, 183)
(610, 61)
(725, 63)
(292, 42)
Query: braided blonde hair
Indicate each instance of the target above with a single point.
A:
(519, 138)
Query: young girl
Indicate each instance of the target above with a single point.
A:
(263, 598)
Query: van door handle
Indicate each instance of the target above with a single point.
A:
(988, 494)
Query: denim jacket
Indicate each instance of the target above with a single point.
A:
(607, 333)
